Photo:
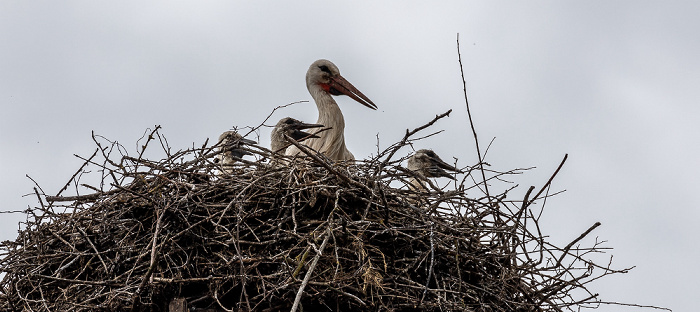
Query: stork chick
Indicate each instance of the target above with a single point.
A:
(323, 80)
(426, 164)
(231, 146)
(292, 128)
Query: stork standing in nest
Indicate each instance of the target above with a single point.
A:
(231, 145)
(292, 128)
(323, 80)
(426, 164)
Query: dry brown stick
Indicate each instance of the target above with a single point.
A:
(148, 140)
(147, 163)
(72, 281)
(154, 245)
(97, 252)
(236, 199)
(237, 245)
(412, 132)
(221, 305)
(311, 269)
(38, 197)
(526, 200)
(340, 292)
(302, 261)
(86, 197)
(325, 164)
(147, 277)
(471, 122)
(568, 247)
(432, 261)
(62, 240)
(271, 113)
(633, 305)
(105, 156)
(525, 205)
(191, 279)
(78, 171)
(519, 214)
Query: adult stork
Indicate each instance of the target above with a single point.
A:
(231, 147)
(426, 164)
(323, 80)
(293, 128)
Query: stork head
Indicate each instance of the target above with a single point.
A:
(293, 127)
(231, 144)
(429, 164)
(325, 75)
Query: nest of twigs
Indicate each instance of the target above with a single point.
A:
(172, 235)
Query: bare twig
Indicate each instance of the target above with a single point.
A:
(314, 262)
(568, 247)
(471, 121)
(326, 165)
(546, 185)
(394, 148)
(77, 172)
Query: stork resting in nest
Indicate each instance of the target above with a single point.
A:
(323, 80)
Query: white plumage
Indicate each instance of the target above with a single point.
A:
(323, 80)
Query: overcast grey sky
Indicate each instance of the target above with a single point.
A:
(615, 84)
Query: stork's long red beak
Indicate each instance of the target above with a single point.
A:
(340, 86)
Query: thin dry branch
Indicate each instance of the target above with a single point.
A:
(568, 247)
(80, 170)
(314, 262)
(527, 203)
(315, 156)
(471, 121)
(395, 147)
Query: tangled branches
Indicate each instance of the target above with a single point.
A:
(279, 235)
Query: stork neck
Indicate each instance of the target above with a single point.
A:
(277, 142)
(330, 142)
(329, 113)
(417, 185)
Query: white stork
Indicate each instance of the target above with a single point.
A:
(231, 147)
(323, 80)
(292, 128)
(426, 164)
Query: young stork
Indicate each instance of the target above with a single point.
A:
(323, 80)
(426, 164)
(292, 128)
(231, 146)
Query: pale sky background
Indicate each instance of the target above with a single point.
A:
(615, 84)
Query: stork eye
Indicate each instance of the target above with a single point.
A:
(289, 121)
(324, 68)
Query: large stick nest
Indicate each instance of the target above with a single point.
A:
(267, 237)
